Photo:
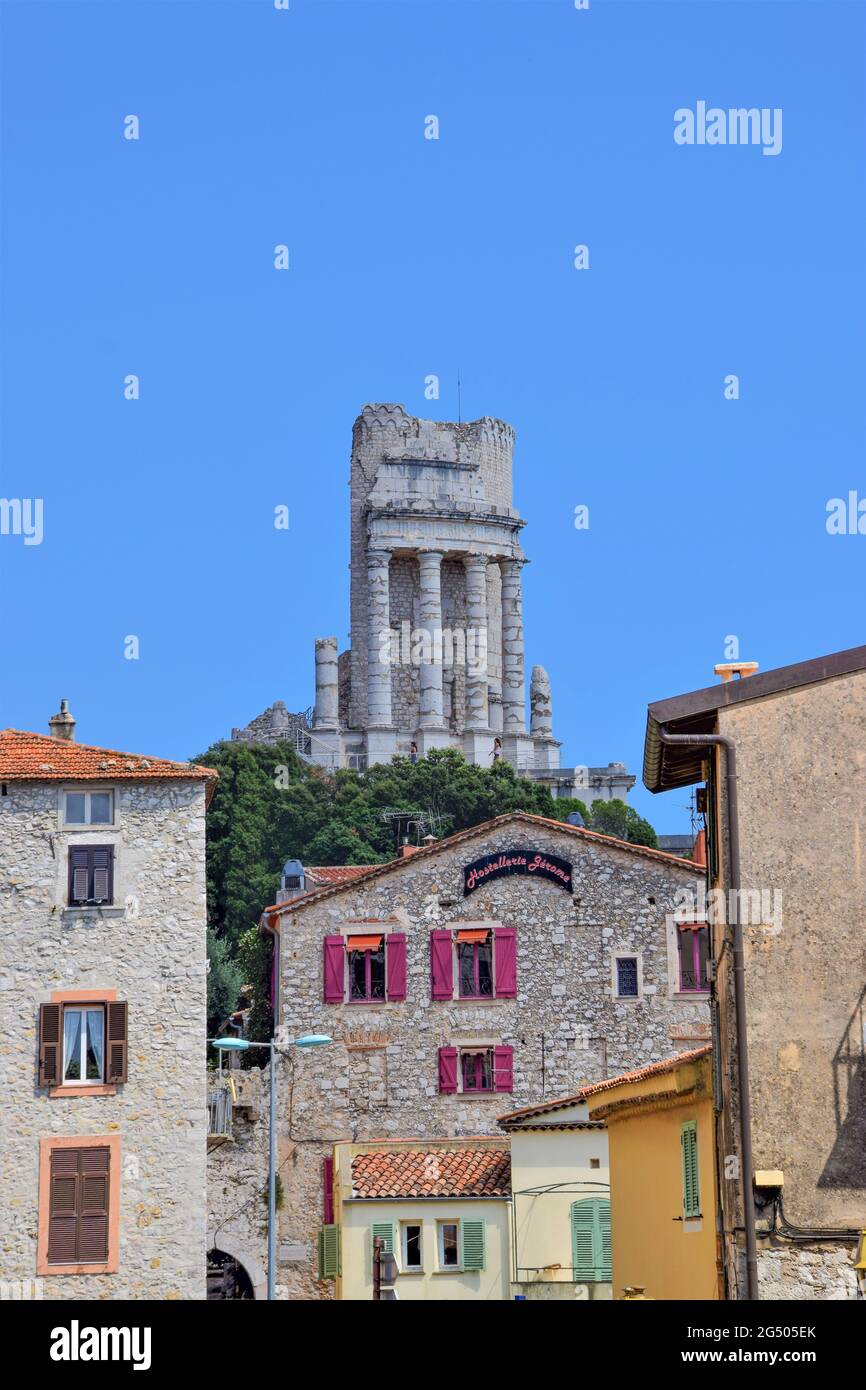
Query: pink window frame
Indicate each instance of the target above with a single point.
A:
(475, 945)
(477, 1056)
(367, 997)
(694, 928)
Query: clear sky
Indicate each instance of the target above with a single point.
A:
(410, 257)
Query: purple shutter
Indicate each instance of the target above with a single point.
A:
(505, 961)
(335, 956)
(441, 974)
(503, 1068)
(327, 1191)
(447, 1070)
(395, 966)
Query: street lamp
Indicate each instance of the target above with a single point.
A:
(240, 1045)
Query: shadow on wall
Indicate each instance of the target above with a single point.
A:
(846, 1166)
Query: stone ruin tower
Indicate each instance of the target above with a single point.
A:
(436, 654)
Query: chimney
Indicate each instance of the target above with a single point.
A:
(406, 850)
(62, 725)
(729, 670)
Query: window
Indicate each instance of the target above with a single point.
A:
(411, 1247)
(693, 949)
(475, 964)
(366, 968)
(79, 1205)
(691, 1185)
(595, 1163)
(91, 875)
(626, 977)
(476, 1069)
(590, 1240)
(88, 808)
(449, 1245)
(82, 1043)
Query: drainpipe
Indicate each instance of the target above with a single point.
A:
(720, 740)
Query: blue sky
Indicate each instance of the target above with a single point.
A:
(410, 257)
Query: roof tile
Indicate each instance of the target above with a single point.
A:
(432, 1172)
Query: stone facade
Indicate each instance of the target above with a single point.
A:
(435, 558)
(149, 947)
(566, 1025)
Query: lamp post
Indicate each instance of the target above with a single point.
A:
(241, 1045)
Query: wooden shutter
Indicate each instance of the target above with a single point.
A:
(116, 1041)
(329, 1251)
(50, 1049)
(79, 874)
(328, 1191)
(503, 1068)
(102, 865)
(474, 1250)
(441, 965)
(78, 1206)
(505, 962)
(384, 1229)
(334, 970)
(691, 1186)
(395, 966)
(91, 874)
(590, 1240)
(447, 1070)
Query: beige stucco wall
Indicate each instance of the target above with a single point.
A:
(432, 1284)
(542, 1158)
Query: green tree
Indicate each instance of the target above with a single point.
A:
(224, 981)
(622, 822)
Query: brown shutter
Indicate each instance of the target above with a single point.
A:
(79, 874)
(63, 1207)
(102, 865)
(50, 1022)
(116, 1040)
(93, 1205)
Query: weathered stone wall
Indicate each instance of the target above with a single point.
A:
(151, 949)
(815, 1272)
(379, 1078)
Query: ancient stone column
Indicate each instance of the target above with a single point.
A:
(378, 639)
(430, 617)
(327, 715)
(541, 709)
(513, 685)
(476, 642)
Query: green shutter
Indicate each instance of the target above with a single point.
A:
(691, 1188)
(329, 1252)
(385, 1229)
(472, 1236)
(590, 1241)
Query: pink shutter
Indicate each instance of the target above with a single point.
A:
(505, 960)
(395, 966)
(441, 974)
(327, 1191)
(447, 1070)
(503, 1068)
(335, 956)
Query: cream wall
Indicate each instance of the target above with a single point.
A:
(357, 1218)
(671, 1258)
(541, 1158)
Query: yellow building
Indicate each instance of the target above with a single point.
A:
(560, 1201)
(441, 1207)
(664, 1206)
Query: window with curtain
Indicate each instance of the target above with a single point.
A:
(83, 1045)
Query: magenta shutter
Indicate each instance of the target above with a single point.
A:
(395, 966)
(447, 1069)
(505, 960)
(327, 1191)
(503, 1068)
(441, 975)
(335, 956)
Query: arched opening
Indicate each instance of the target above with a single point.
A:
(227, 1277)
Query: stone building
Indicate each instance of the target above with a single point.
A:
(436, 656)
(103, 990)
(785, 872)
(510, 962)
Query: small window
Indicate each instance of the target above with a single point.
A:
(595, 1163)
(91, 875)
(476, 1069)
(83, 1045)
(626, 977)
(449, 1245)
(412, 1247)
(366, 969)
(475, 966)
(693, 948)
(88, 808)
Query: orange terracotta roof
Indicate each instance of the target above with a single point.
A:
(462, 1171)
(654, 1069)
(28, 757)
(337, 873)
(545, 1108)
(483, 828)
